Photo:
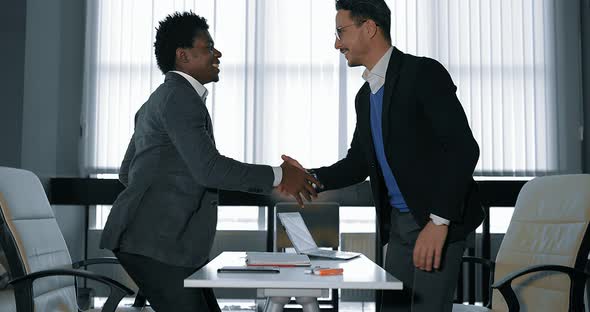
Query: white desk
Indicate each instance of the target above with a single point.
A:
(359, 273)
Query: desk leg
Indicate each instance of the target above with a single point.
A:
(278, 298)
(275, 304)
(308, 304)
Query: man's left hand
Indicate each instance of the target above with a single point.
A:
(429, 246)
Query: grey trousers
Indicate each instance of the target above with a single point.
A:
(423, 291)
(162, 284)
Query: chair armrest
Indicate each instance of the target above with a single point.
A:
(118, 290)
(576, 276)
(487, 262)
(140, 299)
(92, 261)
(4, 279)
(491, 265)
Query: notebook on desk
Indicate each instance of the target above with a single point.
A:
(304, 243)
(276, 259)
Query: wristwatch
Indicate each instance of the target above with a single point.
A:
(317, 188)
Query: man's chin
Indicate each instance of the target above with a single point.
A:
(353, 64)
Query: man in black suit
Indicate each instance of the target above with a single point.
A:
(413, 140)
(162, 225)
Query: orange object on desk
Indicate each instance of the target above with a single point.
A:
(328, 271)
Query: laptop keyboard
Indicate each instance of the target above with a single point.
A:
(324, 252)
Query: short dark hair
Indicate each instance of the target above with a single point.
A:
(361, 10)
(177, 30)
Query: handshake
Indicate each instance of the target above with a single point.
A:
(296, 181)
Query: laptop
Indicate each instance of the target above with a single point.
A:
(303, 241)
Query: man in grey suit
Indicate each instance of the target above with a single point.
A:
(161, 227)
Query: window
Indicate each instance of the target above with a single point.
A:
(285, 89)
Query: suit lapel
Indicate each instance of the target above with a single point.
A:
(391, 79)
(364, 116)
(210, 127)
(364, 107)
(181, 80)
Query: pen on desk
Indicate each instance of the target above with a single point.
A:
(328, 271)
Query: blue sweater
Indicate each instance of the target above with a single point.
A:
(396, 198)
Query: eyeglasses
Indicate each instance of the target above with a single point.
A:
(338, 32)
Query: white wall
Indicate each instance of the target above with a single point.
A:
(12, 34)
(585, 13)
(53, 86)
(53, 67)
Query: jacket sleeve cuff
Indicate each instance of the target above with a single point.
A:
(278, 172)
(438, 220)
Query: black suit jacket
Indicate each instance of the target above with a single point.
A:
(428, 145)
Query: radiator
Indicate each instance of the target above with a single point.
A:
(237, 241)
(365, 244)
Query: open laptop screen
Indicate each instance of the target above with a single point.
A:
(297, 231)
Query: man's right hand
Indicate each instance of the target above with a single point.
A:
(297, 183)
(292, 161)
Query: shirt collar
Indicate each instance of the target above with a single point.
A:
(376, 76)
(201, 90)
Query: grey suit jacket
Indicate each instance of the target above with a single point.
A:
(172, 170)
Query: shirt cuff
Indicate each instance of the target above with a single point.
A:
(438, 220)
(278, 172)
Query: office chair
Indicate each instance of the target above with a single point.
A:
(541, 261)
(6, 291)
(38, 258)
(322, 220)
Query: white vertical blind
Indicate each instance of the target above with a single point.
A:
(283, 88)
(278, 65)
(516, 64)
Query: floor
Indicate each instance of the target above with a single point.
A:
(250, 305)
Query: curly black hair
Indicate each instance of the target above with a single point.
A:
(361, 10)
(178, 30)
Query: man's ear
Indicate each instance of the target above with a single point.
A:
(181, 55)
(371, 28)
